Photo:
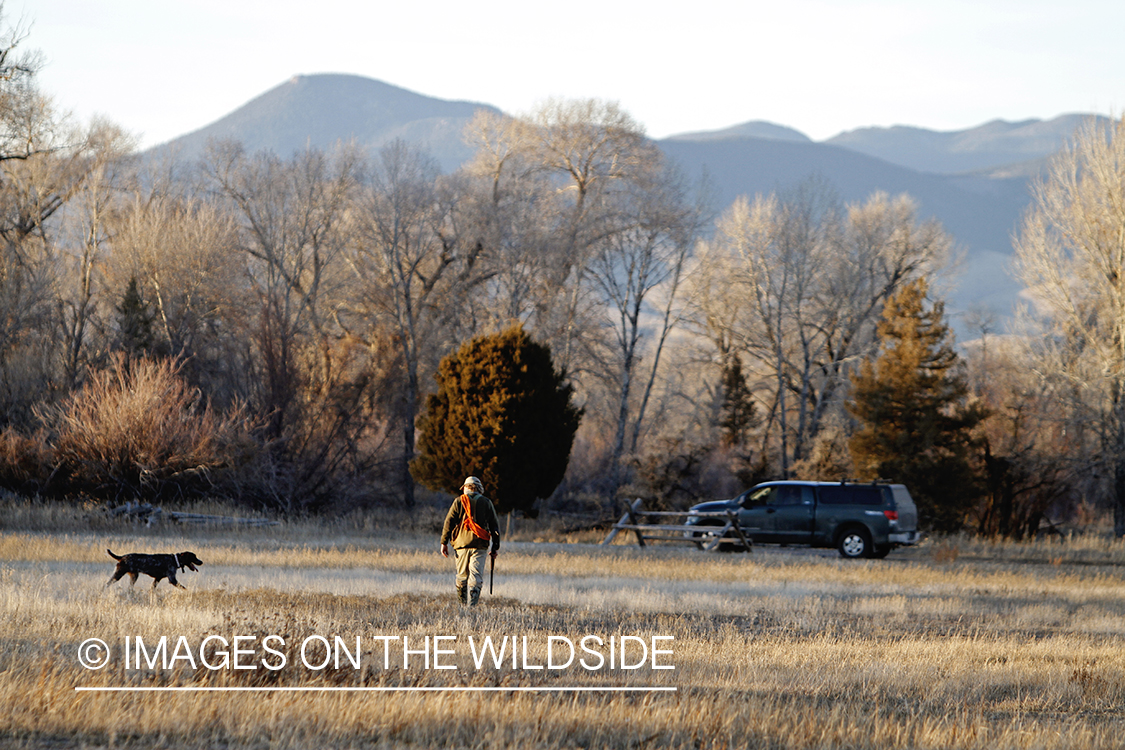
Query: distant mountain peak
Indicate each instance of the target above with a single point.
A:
(323, 109)
(753, 129)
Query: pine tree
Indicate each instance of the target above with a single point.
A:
(134, 322)
(736, 411)
(915, 424)
(502, 413)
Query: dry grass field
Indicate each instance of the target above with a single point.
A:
(958, 644)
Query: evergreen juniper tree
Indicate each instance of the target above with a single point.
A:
(915, 424)
(502, 413)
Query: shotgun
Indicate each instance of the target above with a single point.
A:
(491, 572)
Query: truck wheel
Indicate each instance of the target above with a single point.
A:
(854, 543)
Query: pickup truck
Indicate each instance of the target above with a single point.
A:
(860, 520)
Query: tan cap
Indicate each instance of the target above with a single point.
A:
(473, 482)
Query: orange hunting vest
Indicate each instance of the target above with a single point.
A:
(473, 526)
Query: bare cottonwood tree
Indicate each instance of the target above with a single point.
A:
(95, 205)
(44, 162)
(511, 208)
(797, 284)
(882, 245)
(21, 104)
(636, 276)
(412, 270)
(306, 381)
(1070, 253)
(184, 254)
(591, 149)
(290, 213)
(558, 172)
(590, 227)
(782, 252)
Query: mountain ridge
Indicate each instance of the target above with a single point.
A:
(988, 146)
(975, 181)
(323, 109)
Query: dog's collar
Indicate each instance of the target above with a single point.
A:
(176, 557)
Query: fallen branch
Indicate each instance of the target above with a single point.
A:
(154, 514)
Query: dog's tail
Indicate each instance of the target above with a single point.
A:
(115, 557)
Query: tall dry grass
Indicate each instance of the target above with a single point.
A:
(1008, 647)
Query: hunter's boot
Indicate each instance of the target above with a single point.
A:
(474, 597)
(462, 589)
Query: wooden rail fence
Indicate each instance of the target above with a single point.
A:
(673, 527)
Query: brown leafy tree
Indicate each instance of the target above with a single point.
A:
(501, 412)
(911, 402)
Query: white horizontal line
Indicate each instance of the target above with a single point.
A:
(238, 689)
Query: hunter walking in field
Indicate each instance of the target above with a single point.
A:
(472, 527)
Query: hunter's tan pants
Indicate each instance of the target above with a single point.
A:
(470, 572)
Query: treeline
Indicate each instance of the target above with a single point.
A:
(267, 327)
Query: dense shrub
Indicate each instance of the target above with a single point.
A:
(137, 429)
(25, 462)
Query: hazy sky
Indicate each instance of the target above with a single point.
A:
(161, 68)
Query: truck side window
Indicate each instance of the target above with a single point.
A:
(867, 496)
(795, 495)
(835, 494)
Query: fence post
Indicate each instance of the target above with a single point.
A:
(733, 514)
(633, 520)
